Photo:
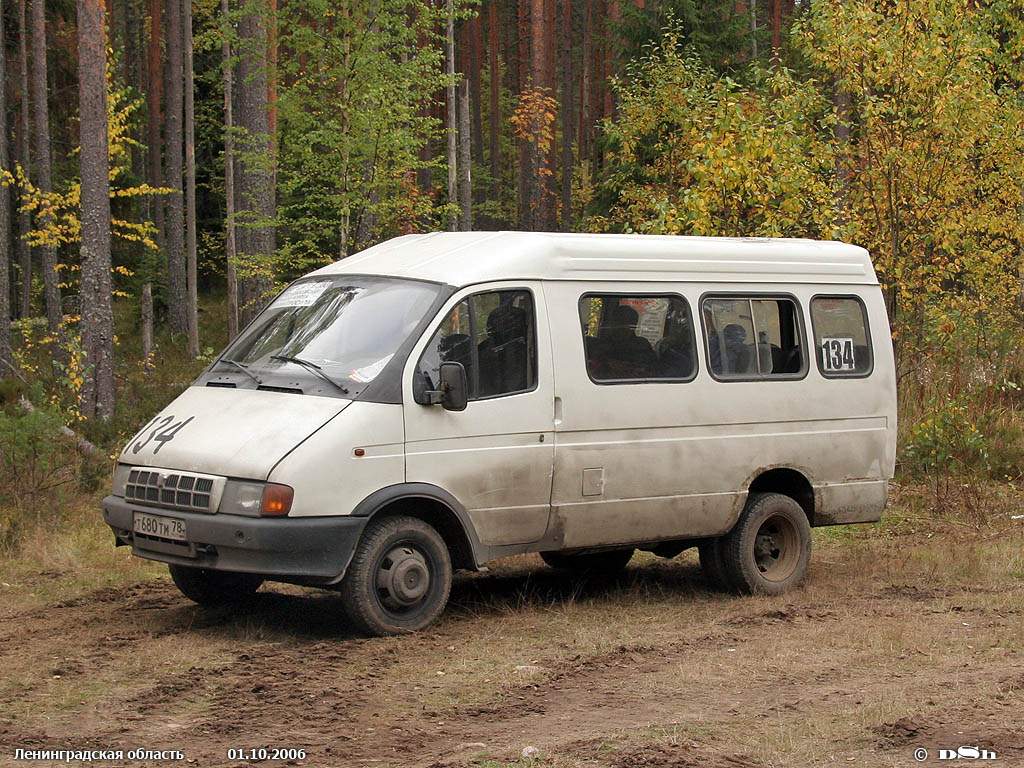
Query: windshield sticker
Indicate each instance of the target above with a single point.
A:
(370, 372)
(302, 294)
(164, 430)
(838, 355)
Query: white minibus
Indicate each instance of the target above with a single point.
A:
(439, 401)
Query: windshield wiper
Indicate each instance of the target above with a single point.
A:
(242, 367)
(311, 366)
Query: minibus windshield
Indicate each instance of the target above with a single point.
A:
(341, 329)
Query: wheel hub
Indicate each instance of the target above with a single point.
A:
(766, 550)
(403, 577)
(775, 548)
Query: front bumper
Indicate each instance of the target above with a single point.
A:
(314, 550)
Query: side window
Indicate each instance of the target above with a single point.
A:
(638, 338)
(841, 336)
(492, 334)
(753, 337)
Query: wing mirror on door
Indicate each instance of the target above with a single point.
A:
(453, 390)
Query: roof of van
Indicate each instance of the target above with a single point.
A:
(467, 258)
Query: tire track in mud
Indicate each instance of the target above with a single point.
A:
(343, 699)
(606, 693)
(89, 634)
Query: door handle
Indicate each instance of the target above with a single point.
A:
(558, 411)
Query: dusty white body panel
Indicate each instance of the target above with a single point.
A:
(676, 459)
(235, 433)
(468, 258)
(327, 475)
(496, 456)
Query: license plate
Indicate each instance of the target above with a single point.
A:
(159, 527)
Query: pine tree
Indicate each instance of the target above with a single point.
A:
(43, 161)
(255, 198)
(22, 248)
(191, 268)
(6, 364)
(229, 176)
(97, 395)
(177, 298)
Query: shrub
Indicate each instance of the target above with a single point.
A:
(946, 440)
(38, 464)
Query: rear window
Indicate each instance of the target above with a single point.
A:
(637, 337)
(841, 336)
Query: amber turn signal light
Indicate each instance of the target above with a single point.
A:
(277, 500)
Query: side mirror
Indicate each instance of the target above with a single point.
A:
(454, 386)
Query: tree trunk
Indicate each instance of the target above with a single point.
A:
(549, 159)
(494, 111)
(97, 396)
(134, 41)
(585, 77)
(6, 364)
(146, 314)
(611, 36)
(229, 178)
(597, 74)
(538, 73)
(465, 159)
(345, 223)
(776, 30)
(254, 235)
(191, 275)
(24, 251)
(272, 69)
(753, 29)
(154, 94)
(450, 109)
(568, 114)
(177, 289)
(476, 46)
(841, 105)
(44, 173)
(524, 176)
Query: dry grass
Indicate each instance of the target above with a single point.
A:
(649, 668)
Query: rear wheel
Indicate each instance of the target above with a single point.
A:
(610, 561)
(213, 588)
(768, 550)
(399, 577)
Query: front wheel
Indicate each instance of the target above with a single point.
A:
(214, 588)
(768, 550)
(611, 561)
(399, 577)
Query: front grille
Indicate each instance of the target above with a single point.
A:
(175, 490)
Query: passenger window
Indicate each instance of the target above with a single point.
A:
(492, 335)
(638, 338)
(753, 337)
(841, 336)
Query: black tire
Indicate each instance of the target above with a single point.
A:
(712, 563)
(609, 561)
(214, 588)
(399, 577)
(768, 550)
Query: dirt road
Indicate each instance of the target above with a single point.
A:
(892, 646)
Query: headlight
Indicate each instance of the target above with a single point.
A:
(120, 479)
(256, 499)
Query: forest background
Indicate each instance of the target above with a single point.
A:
(167, 166)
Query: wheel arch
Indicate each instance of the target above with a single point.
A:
(787, 481)
(434, 506)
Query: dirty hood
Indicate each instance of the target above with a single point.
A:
(238, 433)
